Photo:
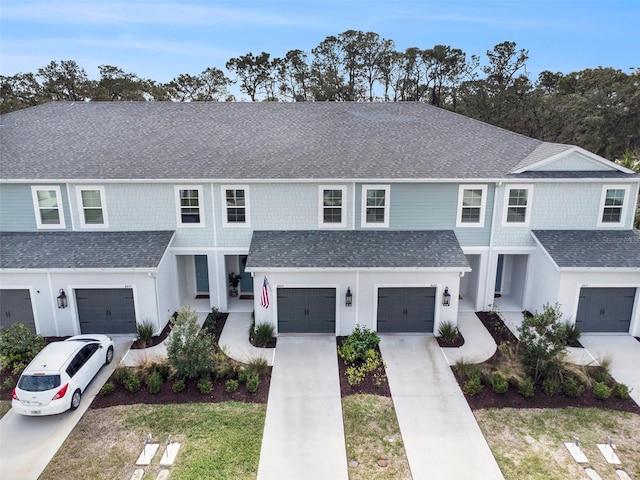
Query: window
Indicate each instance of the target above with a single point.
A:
(471, 205)
(91, 207)
(612, 212)
(331, 203)
(517, 205)
(375, 206)
(236, 204)
(48, 208)
(189, 201)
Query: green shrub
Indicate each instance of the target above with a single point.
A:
(620, 390)
(601, 391)
(211, 322)
(18, 346)
(448, 332)
(154, 382)
(551, 386)
(231, 385)
(465, 369)
(253, 382)
(243, 375)
(372, 361)
(189, 349)
(572, 387)
(121, 373)
(131, 382)
(205, 386)
(107, 389)
(223, 366)
(355, 346)
(473, 386)
(355, 375)
(526, 387)
(600, 373)
(257, 366)
(178, 386)
(499, 384)
(262, 334)
(145, 332)
(570, 333)
(8, 384)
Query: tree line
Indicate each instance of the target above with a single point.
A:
(598, 109)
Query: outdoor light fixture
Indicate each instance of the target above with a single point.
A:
(62, 299)
(349, 298)
(446, 297)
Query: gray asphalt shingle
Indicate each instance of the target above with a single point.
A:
(355, 249)
(25, 250)
(592, 248)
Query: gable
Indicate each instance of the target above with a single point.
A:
(564, 158)
(573, 162)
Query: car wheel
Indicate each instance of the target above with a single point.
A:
(109, 356)
(75, 399)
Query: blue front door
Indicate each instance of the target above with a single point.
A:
(498, 288)
(246, 282)
(202, 274)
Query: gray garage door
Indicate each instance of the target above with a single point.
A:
(16, 307)
(406, 309)
(605, 309)
(306, 310)
(109, 310)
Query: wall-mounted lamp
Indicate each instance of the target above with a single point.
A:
(446, 297)
(62, 299)
(349, 298)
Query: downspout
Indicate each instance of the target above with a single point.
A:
(491, 234)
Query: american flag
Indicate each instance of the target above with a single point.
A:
(264, 300)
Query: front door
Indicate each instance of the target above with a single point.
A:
(246, 282)
(202, 274)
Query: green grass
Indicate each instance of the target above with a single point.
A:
(372, 433)
(219, 441)
(529, 443)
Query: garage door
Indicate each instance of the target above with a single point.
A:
(605, 309)
(109, 310)
(406, 309)
(16, 308)
(306, 310)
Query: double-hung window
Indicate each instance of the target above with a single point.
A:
(47, 204)
(517, 205)
(236, 206)
(613, 205)
(91, 207)
(189, 200)
(375, 206)
(472, 201)
(332, 201)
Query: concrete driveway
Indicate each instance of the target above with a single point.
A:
(27, 444)
(624, 352)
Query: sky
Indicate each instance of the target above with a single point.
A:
(158, 39)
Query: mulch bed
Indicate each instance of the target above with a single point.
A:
(456, 343)
(512, 398)
(368, 385)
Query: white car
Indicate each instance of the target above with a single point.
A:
(57, 377)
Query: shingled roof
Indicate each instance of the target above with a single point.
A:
(315, 249)
(82, 250)
(210, 140)
(613, 249)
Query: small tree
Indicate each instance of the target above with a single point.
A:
(542, 345)
(189, 349)
(18, 346)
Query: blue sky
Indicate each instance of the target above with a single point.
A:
(159, 39)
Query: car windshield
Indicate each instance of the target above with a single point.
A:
(38, 383)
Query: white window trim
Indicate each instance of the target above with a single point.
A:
(200, 190)
(483, 206)
(505, 206)
(321, 207)
(247, 218)
(83, 224)
(363, 206)
(625, 206)
(36, 207)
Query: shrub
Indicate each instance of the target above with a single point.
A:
(465, 369)
(572, 387)
(189, 349)
(258, 366)
(8, 384)
(253, 382)
(231, 385)
(355, 346)
(262, 333)
(541, 347)
(602, 371)
(448, 332)
(131, 382)
(473, 386)
(551, 386)
(499, 384)
(243, 375)
(211, 322)
(526, 387)
(205, 386)
(107, 389)
(178, 386)
(223, 366)
(601, 391)
(154, 382)
(355, 375)
(620, 390)
(570, 333)
(145, 332)
(18, 346)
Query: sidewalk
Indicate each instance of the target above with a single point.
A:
(478, 342)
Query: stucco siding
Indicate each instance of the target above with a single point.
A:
(546, 280)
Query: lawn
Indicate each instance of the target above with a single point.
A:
(528, 444)
(219, 441)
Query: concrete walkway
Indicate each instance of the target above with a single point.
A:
(304, 433)
(478, 342)
(441, 436)
(235, 340)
